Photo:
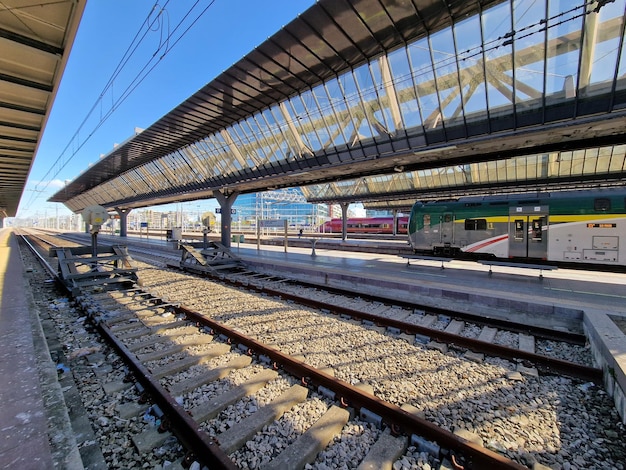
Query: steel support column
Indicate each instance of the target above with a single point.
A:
(226, 204)
(344, 220)
(123, 213)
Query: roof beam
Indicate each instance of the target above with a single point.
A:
(27, 83)
(30, 42)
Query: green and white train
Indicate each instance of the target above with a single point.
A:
(569, 227)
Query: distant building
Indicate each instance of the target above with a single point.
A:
(283, 204)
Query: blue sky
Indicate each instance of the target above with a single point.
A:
(74, 137)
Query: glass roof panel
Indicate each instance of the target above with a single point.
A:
(562, 66)
(496, 25)
(591, 161)
(264, 139)
(605, 156)
(359, 126)
(242, 143)
(198, 159)
(223, 154)
(553, 167)
(307, 119)
(171, 168)
(123, 186)
(333, 109)
(321, 113)
(444, 59)
(601, 47)
(276, 150)
(404, 87)
(618, 159)
(376, 101)
(470, 62)
(424, 77)
(578, 161)
(529, 48)
(253, 135)
(285, 149)
(151, 172)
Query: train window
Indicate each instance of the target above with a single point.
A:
(536, 229)
(426, 220)
(601, 204)
(447, 217)
(475, 224)
(519, 230)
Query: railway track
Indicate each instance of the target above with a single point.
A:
(306, 364)
(551, 350)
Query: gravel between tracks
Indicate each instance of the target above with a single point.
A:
(553, 420)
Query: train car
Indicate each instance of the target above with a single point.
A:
(366, 225)
(569, 226)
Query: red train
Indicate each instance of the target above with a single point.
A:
(366, 225)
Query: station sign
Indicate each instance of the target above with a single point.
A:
(280, 223)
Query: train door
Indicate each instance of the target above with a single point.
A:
(447, 229)
(528, 232)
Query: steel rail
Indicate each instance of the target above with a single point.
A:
(394, 416)
(204, 448)
(537, 331)
(544, 363)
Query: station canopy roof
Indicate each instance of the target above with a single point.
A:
(367, 100)
(35, 40)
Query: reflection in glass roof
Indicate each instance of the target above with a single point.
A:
(541, 169)
(514, 64)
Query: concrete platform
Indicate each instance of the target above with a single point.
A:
(35, 432)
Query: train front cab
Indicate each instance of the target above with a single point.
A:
(528, 232)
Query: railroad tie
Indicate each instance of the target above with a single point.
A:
(398, 314)
(161, 353)
(428, 321)
(526, 343)
(150, 439)
(236, 436)
(175, 367)
(487, 334)
(455, 327)
(305, 449)
(384, 453)
(212, 375)
(214, 406)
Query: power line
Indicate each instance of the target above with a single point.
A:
(164, 46)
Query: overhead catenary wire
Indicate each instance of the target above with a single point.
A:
(165, 46)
